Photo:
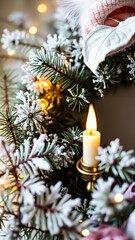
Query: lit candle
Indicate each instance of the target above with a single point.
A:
(91, 140)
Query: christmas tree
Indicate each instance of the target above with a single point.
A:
(42, 195)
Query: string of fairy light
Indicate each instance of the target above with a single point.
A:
(4, 182)
(42, 82)
(41, 8)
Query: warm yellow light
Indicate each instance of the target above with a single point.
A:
(33, 30)
(21, 176)
(2, 204)
(85, 232)
(13, 190)
(91, 123)
(4, 182)
(42, 8)
(66, 62)
(81, 221)
(118, 198)
(44, 104)
(45, 84)
(11, 52)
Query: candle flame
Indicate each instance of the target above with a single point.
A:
(91, 123)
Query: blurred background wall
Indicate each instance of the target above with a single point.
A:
(116, 111)
(116, 115)
(30, 8)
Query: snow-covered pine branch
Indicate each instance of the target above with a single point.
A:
(8, 89)
(54, 214)
(77, 98)
(103, 200)
(29, 115)
(44, 154)
(72, 140)
(52, 66)
(48, 213)
(117, 160)
(20, 41)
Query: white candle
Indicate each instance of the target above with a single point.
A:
(91, 140)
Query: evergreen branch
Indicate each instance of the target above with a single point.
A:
(46, 208)
(30, 159)
(8, 88)
(33, 228)
(12, 131)
(9, 123)
(44, 152)
(51, 65)
(53, 213)
(10, 213)
(18, 41)
(114, 159)
(69, 145)
(77, 98)
(107, 75)
(13, 168)
(70, 229)
(6, 92)
(7, 153)
(10, 160)
(9, 130)
(16, 179)
(72, 140)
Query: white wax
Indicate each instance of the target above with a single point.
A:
(91, 142)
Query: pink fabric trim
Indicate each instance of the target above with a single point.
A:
(99, 12)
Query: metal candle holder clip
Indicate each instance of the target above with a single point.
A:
(88, 174)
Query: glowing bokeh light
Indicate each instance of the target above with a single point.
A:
(85, 232)
(118, 198)
(11, 52)
(33, 30)
(42, 8)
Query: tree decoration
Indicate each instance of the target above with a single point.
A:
(42, 115)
